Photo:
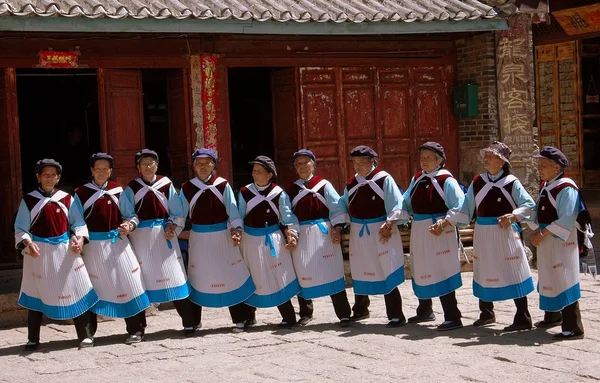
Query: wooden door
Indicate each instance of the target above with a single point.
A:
(179, 129)
(285, 124)
(557, 92)
(10, 163)
(121, 119)
(393, 110)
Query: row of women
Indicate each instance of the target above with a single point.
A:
(113, 252)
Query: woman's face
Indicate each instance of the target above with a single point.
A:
(147, 168)
(429, 160)
(101, 171)
(362, 165)
(492, 163)
(261, 176)
(203, 167)
(304, 166)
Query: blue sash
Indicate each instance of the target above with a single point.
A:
(319, 222)
(209, 228)
(53, 240)
(101, 236)
(155, 222)
(365, 222)
(266, 231)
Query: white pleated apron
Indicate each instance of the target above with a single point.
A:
(377, 267)
(218, 275)
(162, 266)
(434, 260)
(500, 267)
(115, 273)
(270, 265)
(57, 282)
(558, 272)
(318, 261)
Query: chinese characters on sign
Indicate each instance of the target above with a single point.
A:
(514, 82)
(577, 21)
(53, 59)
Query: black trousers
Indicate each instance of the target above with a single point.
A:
(449, 305)
(570, 316)
(136, 323)
(340, 305)
(85, 326)
(286, 310)
(393, 304)
(521, 317)
(191, 313)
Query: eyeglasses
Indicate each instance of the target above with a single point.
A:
(300, 164)
(148, 164)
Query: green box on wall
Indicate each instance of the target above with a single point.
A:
(466, 100)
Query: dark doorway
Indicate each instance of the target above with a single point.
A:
(590, 83)
(156, 116)
(58, 118)
(251, 119)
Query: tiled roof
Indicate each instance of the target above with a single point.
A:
(259, 10)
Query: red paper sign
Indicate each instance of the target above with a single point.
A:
(54, 59)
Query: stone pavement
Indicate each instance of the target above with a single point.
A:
(319, 352)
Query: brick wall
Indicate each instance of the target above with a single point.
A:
(476, 63)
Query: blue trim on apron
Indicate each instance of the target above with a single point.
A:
(275, 299)
(216, 227)
(52, 240)
(122, 310)
(438, 289)
(319, 222)
(432, 217)
(59, 312)
(365, 222)
(562, 300)
(228, 299)
(492, 294)
(170, 294)
(103, 236)
(323, 290)
(153, 223)
(379, 287)
(491, 221)
(266, 231)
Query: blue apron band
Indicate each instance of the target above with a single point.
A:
(209, 228)
(53, 240)
(319, 222)
(101, 236)
(365, 222)
(266, 231)
(156, 222)
(424, 217)
(487, 221)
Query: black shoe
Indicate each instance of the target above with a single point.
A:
(357, 317)
(484, 322)
(285, 325)
(32, 346)
(518, 327)
(543, 324)
(250, 322)
(399, 323)
(305, 320)
(450, 325)
(345, 323)
(568, 335)
(189, 332)
(422, 318)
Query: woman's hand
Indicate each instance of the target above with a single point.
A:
(506, 220)
(76, 244)
(385, 231)
(125, 228)
(236, 236)
(32, 249)
(292, 239)
(336, 235)
(170, 231)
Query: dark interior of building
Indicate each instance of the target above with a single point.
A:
(590, 92)
(58, 118)
(251, 119)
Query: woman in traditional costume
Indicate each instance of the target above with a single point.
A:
(376, 255)
(217, 274)
(558, 206)
(151, 203)
(318, 258)
(50, 231)
(113, 267)
(500, 267)
(270, 233)
(432, 196)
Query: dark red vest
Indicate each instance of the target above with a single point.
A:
(365, 203)
(425, 198)
(547, 213)
(310, 207)
(52, 221)
(150, 207)
(209, 209)
(495, 202)
(104, 215)
(262, 213)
